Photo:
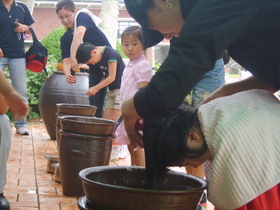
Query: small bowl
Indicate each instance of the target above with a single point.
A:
(51, 159)
(88, 125)
(122, 187)
(76, 109)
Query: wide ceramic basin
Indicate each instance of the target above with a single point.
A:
(76, 109)
(122, 188)
(88, 125)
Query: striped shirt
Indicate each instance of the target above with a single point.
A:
(242, 132)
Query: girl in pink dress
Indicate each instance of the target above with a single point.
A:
(136, 75)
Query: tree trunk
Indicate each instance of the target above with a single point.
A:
(109, 25)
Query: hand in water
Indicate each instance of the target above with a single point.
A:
(136, 137)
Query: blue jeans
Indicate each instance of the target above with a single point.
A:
(18, 76)
(209, 83)
(95, 76)
(5, 147)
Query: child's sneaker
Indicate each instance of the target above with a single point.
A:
(123, 152)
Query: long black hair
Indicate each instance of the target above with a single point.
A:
(165, 143)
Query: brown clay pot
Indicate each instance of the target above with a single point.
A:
(50, 160)
(77, 152)
(59, 66)
(56, 172)
(88, 125)
(58, 127)
(76, 109)
(56, 90)
(122, 187)
(65, 109)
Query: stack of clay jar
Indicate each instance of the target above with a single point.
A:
(65, 109)
(84, 142)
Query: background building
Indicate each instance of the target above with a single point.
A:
(46, 21)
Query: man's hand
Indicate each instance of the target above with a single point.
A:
(21, 28)
(74, 64)
(17, 105)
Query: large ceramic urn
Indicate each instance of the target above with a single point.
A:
(56, 90)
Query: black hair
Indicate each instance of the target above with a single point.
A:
(165, 143)
(132, 30)
(65, 4)
(83, 53)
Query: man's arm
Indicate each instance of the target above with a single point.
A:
(112, 69)
(4, 107)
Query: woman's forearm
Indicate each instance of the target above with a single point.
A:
(77, 39)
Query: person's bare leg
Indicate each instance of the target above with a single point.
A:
(137, 157)
(112, 114)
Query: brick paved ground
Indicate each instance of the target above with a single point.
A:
(29, 185)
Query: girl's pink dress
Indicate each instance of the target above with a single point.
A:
(136, 71)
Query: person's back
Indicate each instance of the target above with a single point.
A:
(241, 132)
(109, 54)
(236, 136)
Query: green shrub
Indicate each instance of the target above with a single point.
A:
(52, 42)
(120, 49)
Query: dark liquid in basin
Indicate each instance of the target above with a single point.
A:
(161, 187)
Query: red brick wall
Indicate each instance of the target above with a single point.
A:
(45, 21)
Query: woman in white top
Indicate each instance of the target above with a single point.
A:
(237, 137)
